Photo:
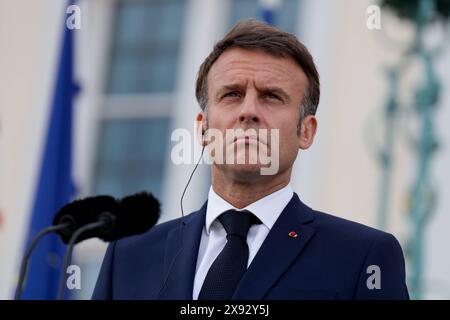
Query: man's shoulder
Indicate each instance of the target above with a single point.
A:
(336, 228)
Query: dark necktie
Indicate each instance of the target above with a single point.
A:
(230, 265)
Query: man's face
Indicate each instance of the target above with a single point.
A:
(254, 90)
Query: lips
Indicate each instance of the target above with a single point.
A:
(247, 139)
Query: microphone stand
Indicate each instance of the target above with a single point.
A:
(27, 255)
(105, 220)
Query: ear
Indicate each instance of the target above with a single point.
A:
(308, 128)
(201, 127)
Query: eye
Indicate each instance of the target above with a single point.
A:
(272, 96)
(232, 94)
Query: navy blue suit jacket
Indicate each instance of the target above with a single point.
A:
(329, 259)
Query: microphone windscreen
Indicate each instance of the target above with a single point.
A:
(135, 215)
(83, 212)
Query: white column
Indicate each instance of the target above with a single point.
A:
(316, 21)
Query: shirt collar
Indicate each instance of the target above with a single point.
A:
(267, 209)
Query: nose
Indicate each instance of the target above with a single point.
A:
(248, 113)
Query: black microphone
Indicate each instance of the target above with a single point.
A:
(81, 212)
(131, 216)
(99, 216)
(135, 215)
(67, 220)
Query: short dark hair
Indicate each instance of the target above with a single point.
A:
(254, 35)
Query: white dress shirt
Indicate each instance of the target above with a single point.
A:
(213, 240)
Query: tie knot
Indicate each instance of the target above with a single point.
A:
(238, 222)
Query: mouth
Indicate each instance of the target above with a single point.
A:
(246, 140)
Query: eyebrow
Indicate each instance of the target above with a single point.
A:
(276, 90)
(241, 87)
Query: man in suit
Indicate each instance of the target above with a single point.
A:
(254, 238)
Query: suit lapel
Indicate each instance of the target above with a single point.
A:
(181, 257)
(277, 252)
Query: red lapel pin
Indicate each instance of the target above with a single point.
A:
(293, 234)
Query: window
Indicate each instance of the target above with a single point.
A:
(285, 17)
(146, 40)
(134, 134)
(131, 157)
